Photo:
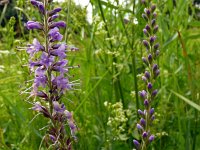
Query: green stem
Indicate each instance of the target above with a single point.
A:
(117, 83)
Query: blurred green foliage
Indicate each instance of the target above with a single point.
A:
(110, 59)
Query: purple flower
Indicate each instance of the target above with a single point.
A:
(60, 52)
(41, 7)
(34, 48)
(143, 94)
(58, 108)
(33, 25)
(53, 12)
(60, 66)
(151, 138)
(59, 24)
(46, 60)
(40, 78)
(61, 83)
(55, 35)
(34, 2)
(137, 144)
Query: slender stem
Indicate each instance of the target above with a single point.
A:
(117, 83)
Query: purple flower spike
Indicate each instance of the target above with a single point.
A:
(33, 25)
(137, 144)
(151, 138)
(59, 24)
(143, 94)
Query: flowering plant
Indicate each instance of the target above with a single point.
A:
(50, 67)
(149, 77)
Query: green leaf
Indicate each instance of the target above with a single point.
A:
(191, 103)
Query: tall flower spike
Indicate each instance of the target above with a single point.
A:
(47, 85)
(150, 75)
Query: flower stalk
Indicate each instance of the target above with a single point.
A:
(149, 77)
(51, 71)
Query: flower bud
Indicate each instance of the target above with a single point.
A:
(145, 32)
(152, 39)
(59, 24)
(153, 22)
(33, 25)
(145, 61)
(151, 138)
(150, 58)
(156, 46)
(137, 144)
(149, 86)
(146, 103)
(139, 127)
(143, 94)
(156, 73)
(145, 17)
(53, 12)
(157, 53)
(148, 12)
(146, 44)
(155, 29)
(41, 8)
(148, 28)
(155, 67)
(142, 122)
(154, 93)
(144, 134)
(151, 112)
(147, 74)
(140, 112)
(144, 79)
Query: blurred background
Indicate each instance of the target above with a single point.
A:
(108, 34)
